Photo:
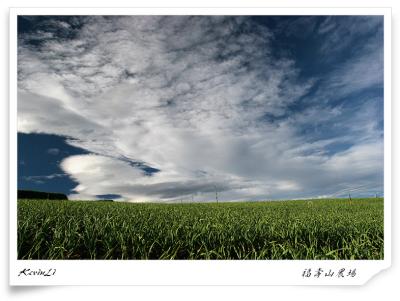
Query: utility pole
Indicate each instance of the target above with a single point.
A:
(216, 193)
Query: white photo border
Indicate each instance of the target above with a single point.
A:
(193, 272)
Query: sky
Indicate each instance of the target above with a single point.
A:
(177, 108)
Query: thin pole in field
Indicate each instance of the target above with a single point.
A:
(216, 193)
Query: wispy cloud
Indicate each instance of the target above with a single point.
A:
(42, 179)
(190, 97)
(53, 151)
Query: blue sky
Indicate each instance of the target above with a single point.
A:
(165, 108)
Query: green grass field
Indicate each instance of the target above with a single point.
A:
(315, 229)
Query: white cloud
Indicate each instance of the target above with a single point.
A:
(188, 96)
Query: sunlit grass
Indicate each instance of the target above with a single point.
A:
(318, 229)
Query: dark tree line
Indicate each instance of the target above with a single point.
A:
(30, 194)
